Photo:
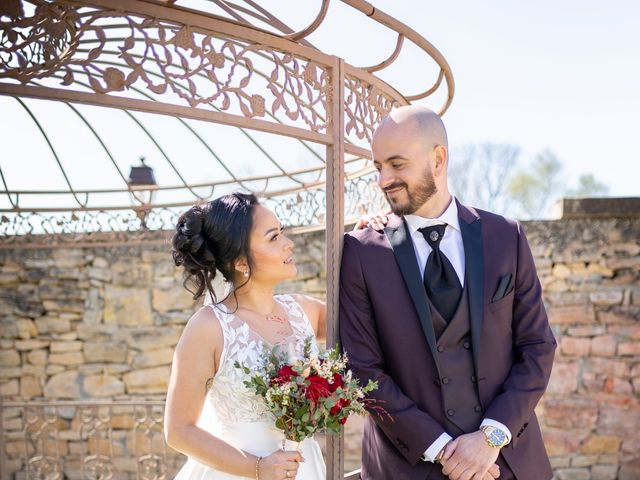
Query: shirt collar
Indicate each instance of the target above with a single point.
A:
(449, 216)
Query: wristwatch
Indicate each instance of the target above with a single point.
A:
(495, 437)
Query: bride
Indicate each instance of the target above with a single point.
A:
(242, 240)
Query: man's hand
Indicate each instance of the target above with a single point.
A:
(469, 457)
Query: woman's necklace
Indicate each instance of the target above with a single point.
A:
(273, 318)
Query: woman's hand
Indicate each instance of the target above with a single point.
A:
(280, 465)
(377, 221)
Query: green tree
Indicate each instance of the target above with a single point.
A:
(532, 190)
(588, 186)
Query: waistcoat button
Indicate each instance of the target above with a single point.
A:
(451, 412)
(445, 380)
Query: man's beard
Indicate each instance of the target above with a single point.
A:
(417, 197)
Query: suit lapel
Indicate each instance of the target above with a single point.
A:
(471, 228)
(400, 240)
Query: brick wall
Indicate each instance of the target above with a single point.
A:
(102, 323)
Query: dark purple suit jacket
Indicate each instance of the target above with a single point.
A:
(385, 328)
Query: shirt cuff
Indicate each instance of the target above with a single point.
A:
(432, 452)
(497, 424)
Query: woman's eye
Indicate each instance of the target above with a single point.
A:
(274, 237)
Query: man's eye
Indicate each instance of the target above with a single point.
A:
(396, 165)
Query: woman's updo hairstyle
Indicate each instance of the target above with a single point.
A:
(210, 238)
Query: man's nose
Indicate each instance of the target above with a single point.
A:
(385, 178)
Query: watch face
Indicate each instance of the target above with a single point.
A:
(497, 437)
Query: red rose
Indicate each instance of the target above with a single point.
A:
(337, 408)
(336, 383)
(318, 388)
(285, 374)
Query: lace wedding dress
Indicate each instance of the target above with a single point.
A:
(238, 416)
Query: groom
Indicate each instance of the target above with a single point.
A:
(443, 308)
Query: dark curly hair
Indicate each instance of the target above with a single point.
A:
(210, 238)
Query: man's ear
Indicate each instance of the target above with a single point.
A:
(441, 157)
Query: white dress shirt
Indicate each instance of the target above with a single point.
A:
(451, 245)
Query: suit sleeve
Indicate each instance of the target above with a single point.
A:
(533, 344)
(411, 430)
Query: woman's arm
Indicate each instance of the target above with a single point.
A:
(194, 362)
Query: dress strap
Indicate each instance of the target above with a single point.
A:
(225, 319)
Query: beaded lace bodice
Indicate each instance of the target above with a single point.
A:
(231, 399)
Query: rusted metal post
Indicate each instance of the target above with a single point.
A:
(333, 239)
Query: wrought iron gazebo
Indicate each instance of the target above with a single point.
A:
(154, 68)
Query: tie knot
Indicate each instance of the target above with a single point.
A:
(433, 234)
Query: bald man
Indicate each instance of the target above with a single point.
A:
(443, 308)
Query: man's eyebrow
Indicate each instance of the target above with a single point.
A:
(391, 159)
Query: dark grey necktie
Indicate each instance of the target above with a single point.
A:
(440, 279)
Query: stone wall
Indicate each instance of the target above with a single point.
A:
(102, 323)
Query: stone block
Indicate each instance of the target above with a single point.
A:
(153, 358)
(26, 328)
(621, 316)
(23, 345)
(573, 314)
(146, 339)
(583, 460)
(608, 367)
(10, 388)
(575, 347)
(606, 297)
(54, 369)
(60, 347)
(631, 332)
(9, 358)
(127, 306)
(617, 386)
(604, 472)
(561, 442)
(51, 324)
(572, 474)
(105, 351)
(30, 387)
(601, 444)
(629, 348)
(148, 380)
(619, 422)
(172, 299)
(630, 470)
(102, 386)
(603, 346)
(66, 358)
(564, 378)
(560, 270)
(570, 413)
(63, 385)
(10, 372)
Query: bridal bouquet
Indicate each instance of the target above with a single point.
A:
(313, 394)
